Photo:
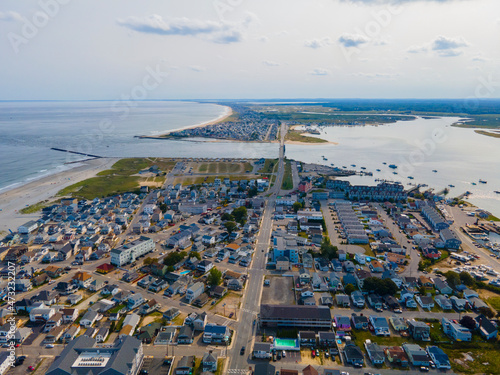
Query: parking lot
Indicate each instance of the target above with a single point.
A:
(280, 291)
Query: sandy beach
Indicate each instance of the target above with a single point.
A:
(45, 188)
(224, 116)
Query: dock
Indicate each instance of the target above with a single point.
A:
(76, 152)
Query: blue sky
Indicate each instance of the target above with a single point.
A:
(94, 49)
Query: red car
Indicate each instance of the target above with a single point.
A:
(31, 368)
(313, 354)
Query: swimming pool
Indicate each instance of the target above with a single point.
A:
(286, 344)
(184, 272)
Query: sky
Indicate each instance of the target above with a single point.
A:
(254, 49)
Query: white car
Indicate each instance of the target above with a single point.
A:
(49, 346)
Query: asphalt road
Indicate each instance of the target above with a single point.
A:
(245, 333)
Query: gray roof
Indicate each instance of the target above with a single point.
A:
(123, 353)
(295, 311)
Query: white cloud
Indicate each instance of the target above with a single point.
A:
(480, 58)
(270, 63)
(319, 72)
(10, 16)
(217, 32)
(443, 46)
(318, 43)
(352, 40)
(376, 75)
(264, 39)
(442, 43)
(197, 68)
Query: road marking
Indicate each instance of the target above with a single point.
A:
(237, 371)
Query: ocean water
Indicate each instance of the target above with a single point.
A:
(30, 129)
(460, 156)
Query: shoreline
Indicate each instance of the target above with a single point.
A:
(45, 188)
(160, 135)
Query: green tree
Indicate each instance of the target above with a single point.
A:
(150, 260)
(327, 250)
(214, 277)
(240, 214)
(349, 288)
(195, 254)
(226, 217)
(297, 206)
(486, 311)
(380, 286)
(467, 279)
(230, 226)
(468, 322)
(452, 278)
(174, 257)
(252, 192)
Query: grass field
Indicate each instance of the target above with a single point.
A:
(119, 179)
(296, 136)
(287, 177)
(269, 166)
(489, 134)
(35, 207)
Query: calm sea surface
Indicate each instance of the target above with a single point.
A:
(30, 129)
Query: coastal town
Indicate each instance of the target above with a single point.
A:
(238, 271)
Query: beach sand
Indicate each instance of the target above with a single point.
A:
(45, 188)
(223, 117)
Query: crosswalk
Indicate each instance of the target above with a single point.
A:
(237, 371)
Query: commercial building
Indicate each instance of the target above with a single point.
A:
(84, 356)
(311, 317)
(129, 252)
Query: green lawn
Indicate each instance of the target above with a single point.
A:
(287, 177)
(296, 136)
(360, 337)
(116, 309)
(269, 165)
(494, 302)
(35, 207)
(485, 355)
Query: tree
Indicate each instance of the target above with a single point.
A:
(240, 214)
(452, 278)
(226, 217)
(214, 277)
(150, 260)
(468, 322)
(230, 226)
(297, 206)
(467, 279)
(174, 257)
(327, 250)
(195, 254)
(349, 288)
(486, 311)
(380, 286)
(252, 192)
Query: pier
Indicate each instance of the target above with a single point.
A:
(76, 152)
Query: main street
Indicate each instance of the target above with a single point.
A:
(251, 300)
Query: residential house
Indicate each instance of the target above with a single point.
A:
(439, 357)
(216, 334)
(353, 354)
(185, 335)
(262, 350)
(209, 362)
(397, 356)
(486, 328)
(69, 315)
(442, 286)
(89, 318)
(425, 302)
(444, 302)
(416, 355)
(307, 338)
(359, 321)
(419, 330)
(149, 307)
(455, 330)
(380, 325)
(375, 353)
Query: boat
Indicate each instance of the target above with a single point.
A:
(378, 170)
(483, 182)
(393, 166)
(332, 164)
(353, 165)
(344, 166)
(384, 163)
(435, 171)
(497, 192)
(474, 183)
(363, 167)
(452, 186)
(410, 177)
(394, 172)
